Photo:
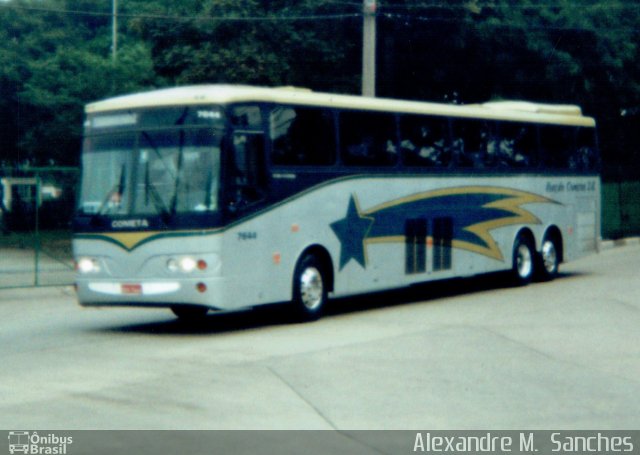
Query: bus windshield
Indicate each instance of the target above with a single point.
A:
(155, 172)
(151, 173)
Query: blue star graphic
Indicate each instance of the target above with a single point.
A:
(352, 232)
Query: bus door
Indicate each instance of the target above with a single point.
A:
(246, 190)
(246, 163)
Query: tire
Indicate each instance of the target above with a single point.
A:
(190, 312)
(309, 289)
(548, 259)
(523, 263)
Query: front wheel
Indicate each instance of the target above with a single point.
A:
(309, 289)
(523, 261)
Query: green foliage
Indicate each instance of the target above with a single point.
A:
(52, 64)
(217, 46)
(54, 59)
(61, 83)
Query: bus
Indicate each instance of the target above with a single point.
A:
(224, 197)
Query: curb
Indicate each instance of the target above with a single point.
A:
(608, 244)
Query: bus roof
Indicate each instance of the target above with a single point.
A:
(225, 94)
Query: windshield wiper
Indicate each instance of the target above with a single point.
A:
(174, 199)
(150, 190)
(154, 147)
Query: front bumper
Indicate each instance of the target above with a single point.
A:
(158, 293)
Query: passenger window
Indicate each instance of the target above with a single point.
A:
(424, 141)
(557, 144)
(368, 139)
(302, 136)
(516, 147)
(247, 117)
(473, 141)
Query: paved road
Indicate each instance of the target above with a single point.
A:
(18, 267)
(458, 355)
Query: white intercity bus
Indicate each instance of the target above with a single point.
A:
(221, 197)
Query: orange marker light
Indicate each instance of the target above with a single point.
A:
(201, 287)
(277, 258)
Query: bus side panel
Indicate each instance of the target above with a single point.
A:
(388, 232)
(263, 250)
(384, 249)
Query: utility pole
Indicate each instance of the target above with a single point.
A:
(114, 29)
(369, 48)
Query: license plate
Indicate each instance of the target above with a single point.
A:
(131, 288)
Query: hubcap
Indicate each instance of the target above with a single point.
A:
(549, 256)
(523, 261)
(311, 288)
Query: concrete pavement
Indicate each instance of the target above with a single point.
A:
(467, 354)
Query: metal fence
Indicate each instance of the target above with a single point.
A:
(620, 209)
(36, 206)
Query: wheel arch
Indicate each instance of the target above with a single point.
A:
(527, 234)
(553, 232)
(523, 266)
(323, 255)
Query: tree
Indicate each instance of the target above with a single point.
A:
(250, 42)
(53, 63)
(56, 57)
(582, 53)
(60, 85)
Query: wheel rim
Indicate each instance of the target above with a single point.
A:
(311, 288)
(549, 257)
(524, 262)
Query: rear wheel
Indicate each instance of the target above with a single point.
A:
(189, 312)
(549, 259)
(309, 288)
(523, 261)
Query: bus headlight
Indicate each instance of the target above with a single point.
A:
(172, 265)
(88, 265)
(185, 264)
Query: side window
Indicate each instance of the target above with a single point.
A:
(302, 136)
(368, 139)
(247, 117)
(516, 147)
(424, 141)
(473, 141)
(557, 144)
(247, 166)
